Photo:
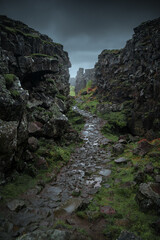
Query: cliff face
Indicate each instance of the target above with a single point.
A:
(130, 77)
(83, 77)
(34, 83)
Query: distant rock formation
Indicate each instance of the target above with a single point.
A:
(131, 78)
(72, 81)
(34, 82)
(83, 77)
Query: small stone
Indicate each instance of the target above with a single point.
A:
(105, 172)
(34, 127)
(108, 210)
(16, 205)
(33, 143)
(148, 196)
(121, 160)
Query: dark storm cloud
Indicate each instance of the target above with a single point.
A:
(84, 27)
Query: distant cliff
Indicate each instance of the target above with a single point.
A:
(130, 77)
(34, 83)
(83, 77)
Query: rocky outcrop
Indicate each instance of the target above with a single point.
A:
(72, 81)
(130, 77)
(83, 77)
(34, 84)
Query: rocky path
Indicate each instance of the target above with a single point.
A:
(36, 212)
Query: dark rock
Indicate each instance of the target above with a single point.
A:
(16, 205)
(149, 168)
(140, 177)
(157, 178)
(124, 77)
(148, 196)
(33, 143)
(125, 235)
(34, 85)
(156, 225)
(41, 163)
(118, 148)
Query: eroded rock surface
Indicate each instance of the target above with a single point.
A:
(129, 79)
(34, 85)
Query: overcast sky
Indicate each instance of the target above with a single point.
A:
(84, 27)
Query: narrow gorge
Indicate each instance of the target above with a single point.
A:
(85, 167)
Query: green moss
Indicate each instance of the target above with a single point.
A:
(121, 197)
(64, 98)
(76, 120)
(61, 224)
(56, 156)
(21, 184)
(72, 91)
(44, 55)
(14, 93)
(9, 78)
(116, 122)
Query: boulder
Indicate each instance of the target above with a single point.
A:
(148, 196)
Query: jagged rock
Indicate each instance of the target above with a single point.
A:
(83, 77)
(125, 235)
(16, 205)
(33, 143)
(130, 78)
(118, 148)
(148, 196)
(34, 85)
(8, 143)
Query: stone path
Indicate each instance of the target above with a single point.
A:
(76, 183)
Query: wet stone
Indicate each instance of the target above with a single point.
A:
(121, 160)
(105, 172)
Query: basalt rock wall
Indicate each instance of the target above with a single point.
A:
(34, 85)
(83, 77)
(130, 78)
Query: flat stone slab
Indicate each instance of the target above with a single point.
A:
(120, 160)
(105, 172)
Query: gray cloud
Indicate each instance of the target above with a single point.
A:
(84, 27)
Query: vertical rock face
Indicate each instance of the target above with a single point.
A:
(83, 77)
(72, 81)
(34, 81)
(131, 77)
